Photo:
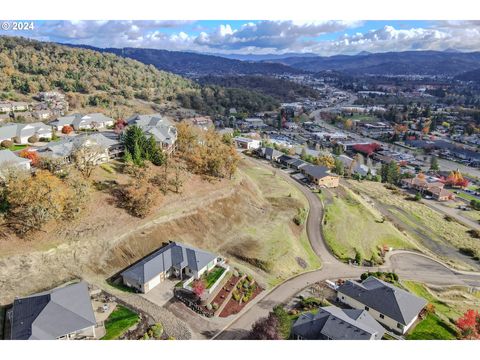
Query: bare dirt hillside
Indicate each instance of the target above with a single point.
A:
(247, 219)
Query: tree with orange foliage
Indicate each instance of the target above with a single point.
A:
(469, 325)
(67, 129)
(456, 179)
(30, 155)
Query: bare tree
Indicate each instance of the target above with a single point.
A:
(87, 156)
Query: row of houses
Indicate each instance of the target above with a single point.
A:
(318, 175)
(375, 306)
(21, 133)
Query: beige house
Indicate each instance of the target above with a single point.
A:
(394, 308)
(320, 176)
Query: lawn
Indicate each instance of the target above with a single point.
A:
(427, 226)
(450, 303)
(432, 328)
(15, 147)
(466, 196)
(213, 275)
(342, 211)
(119, 321)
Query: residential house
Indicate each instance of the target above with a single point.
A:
(429, 185)
(394, 308)
(163, 130)
(94, 121)
(9, 106)
(333, 323)
(172, 260)
(20, 133)
(8, 160)
(247, 143)
(356, 168)
(64, 148)
(270, 153)
(42, 114)
(320, 176)
(61, 313)
(254, 123)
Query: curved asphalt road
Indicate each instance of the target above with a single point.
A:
(407, 265)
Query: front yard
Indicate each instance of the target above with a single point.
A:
(432, 328)
(119, 321)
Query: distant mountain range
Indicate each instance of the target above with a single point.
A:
(450, 62)
(390, 63)
(187, 63)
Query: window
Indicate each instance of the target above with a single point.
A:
(400, 326)
(367, 308)
(343, 297)
(382, 316)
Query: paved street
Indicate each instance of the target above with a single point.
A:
(407, 265)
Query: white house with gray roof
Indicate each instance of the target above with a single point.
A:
(8, 160)
(20, 133)
(394, 308)
(93, 121)
(163, 130)
(333, 323)
(61, 313)
(64, 148)
(173, 260)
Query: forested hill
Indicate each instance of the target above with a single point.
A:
(100, 79)
(188, 63)
(29, 66)
(280, 89)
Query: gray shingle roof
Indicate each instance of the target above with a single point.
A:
(64, 147)
(173, 254)
(162, 129)
(8, 158)
(385, 298)
(11, 130)
(54, 313)
(338, 324)
(316, 171)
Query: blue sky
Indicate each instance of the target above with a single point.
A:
(264, 36)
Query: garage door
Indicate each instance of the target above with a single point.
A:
(154, 282)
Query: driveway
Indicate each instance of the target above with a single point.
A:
(162, 293)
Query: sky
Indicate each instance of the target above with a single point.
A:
(262, 37)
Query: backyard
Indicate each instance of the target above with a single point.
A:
(370, 233)
(449, 304)
(119, 321)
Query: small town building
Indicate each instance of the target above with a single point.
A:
(320, 176)
(247, 143)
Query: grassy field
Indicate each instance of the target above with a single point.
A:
(281, 247)
(449, 302)
(351, 225)
(119, 321)
(427, 226)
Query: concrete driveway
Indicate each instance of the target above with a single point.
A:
(162, 293)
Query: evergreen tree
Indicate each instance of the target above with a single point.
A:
(434, 164)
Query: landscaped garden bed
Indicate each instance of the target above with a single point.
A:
(211, 277)
(226, 290)
(245, 291)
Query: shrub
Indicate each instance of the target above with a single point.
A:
(33, 139)
(215, 306)
(107, 168)
(358, 257)
(209, 307)
(31, 155)
(474, 233)
(301, 216)
(157, 330)
(67, 129)
(250, 278)
(6, 143)
(236, 295)
(16, 140)
(235, 273)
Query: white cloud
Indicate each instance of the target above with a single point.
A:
(263, 37)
